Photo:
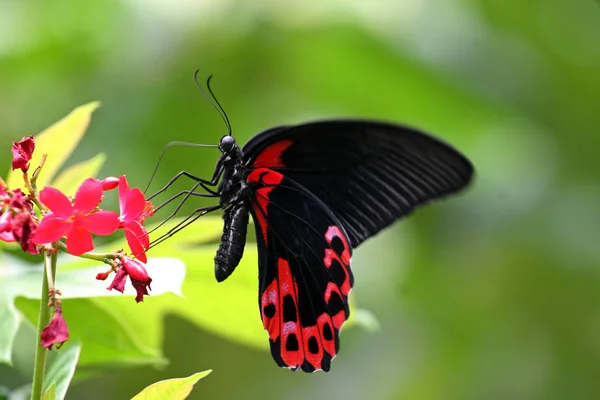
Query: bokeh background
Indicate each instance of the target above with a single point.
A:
(492, 294)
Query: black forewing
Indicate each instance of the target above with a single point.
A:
(368, 173)
(304, 271)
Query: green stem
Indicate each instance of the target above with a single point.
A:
(43, 320)
(102, 257)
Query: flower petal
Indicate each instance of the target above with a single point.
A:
(137, 239)
(134, 205)
(118, 282)
(79, 241)
(51, 229)
(7, 237)
(56, 332)
(23, 228)
(56, 201)
(123, 191)
(141, 288)
(103, 222)
(88, 195)
(140, 232)
(22, 151)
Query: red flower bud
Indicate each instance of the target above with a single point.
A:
(110, 183)
(101, 276)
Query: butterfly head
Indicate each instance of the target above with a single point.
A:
(226, 144)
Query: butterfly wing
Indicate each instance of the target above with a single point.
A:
(368, 174)
(304, 271)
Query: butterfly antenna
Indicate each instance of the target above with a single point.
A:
(162, 153)
(212, 99)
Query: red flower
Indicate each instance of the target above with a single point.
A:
(75, 221)
(138, 275)
(22, 152)
(56, 332)
(134, 209)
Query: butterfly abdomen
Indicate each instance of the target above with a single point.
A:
(233, 240)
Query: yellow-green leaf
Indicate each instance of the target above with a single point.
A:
(50, 393)
(69, 180)
(58, 141)
(171, 389)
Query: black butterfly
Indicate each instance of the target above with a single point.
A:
(315, 192)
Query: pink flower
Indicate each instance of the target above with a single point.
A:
(134, 209)
(56, 332)
(138, 275)
(22, 151)
(76, 221)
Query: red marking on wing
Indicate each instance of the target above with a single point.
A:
(330, 255)
(267, 177)
(270, 297)
(270, 157)
(331, 287)
(292, 358)
(329, 345)
(313, 358)
(339, 319)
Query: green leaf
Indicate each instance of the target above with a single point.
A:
(16, 279)
(69, 180)
(58, 141)
(9, 323)
(50, 393)
(171, 389)
(61, 369)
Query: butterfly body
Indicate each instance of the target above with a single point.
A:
(316, 191)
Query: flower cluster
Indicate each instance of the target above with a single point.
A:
(69, 223)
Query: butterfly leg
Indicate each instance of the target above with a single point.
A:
(197, 213)
(200, 182)
(185, 192)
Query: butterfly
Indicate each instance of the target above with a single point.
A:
(315, 192)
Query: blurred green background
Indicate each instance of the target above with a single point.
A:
(493, 294)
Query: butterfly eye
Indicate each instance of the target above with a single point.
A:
(227, 143)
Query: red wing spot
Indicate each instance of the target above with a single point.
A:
(268, 300)
(266, 177)
(270, 157)
(331, 287)
(311, 343)
(324, 324)
(330, 255)
(334, 231)
(292, 350)
(339, 319)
